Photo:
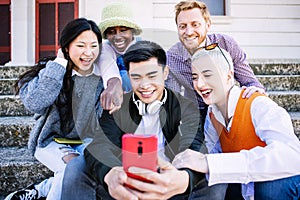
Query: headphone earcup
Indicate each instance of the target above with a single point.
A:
(154, 107)
(151, 108)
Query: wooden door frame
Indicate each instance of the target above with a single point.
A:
(37, 22)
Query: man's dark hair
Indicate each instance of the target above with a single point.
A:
(143, 51)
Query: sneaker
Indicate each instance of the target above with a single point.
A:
(29, 193)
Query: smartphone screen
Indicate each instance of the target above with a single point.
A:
(139, 151)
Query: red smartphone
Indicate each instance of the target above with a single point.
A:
(139, 151)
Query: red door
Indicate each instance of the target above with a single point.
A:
(51, 17)
(5, 31)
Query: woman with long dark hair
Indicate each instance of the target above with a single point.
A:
(64, 93)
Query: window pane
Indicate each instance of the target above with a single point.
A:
(5, 25)
(215, 7)
(65, 14)
(47, 29)
(47, 24)
(46, 54)
(5, 34)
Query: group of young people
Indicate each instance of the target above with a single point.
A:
(216, 140)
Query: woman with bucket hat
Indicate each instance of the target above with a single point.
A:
(119, 28)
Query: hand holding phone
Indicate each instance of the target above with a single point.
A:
(139, 151)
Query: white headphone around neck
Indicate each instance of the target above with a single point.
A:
(149, 108)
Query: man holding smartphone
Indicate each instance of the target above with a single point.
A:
(149, 109)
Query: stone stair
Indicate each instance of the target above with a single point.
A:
(19, 169)
(281, 78)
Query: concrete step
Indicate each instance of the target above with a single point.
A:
(290, 100)
(270, 82)
(12, 71)
(295, 116)
(259, 66)
(14, 131)
(7, 86)
(11, 105)
(275, 67)
(280, 82)
(19, 169)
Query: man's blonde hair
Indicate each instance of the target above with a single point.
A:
(190, 4)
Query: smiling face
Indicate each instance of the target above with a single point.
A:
(211, 81)
(192, 29)
(83, 51)
(147, 79)
(120, 37)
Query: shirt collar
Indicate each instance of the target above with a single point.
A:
(207, 41)
(233, 99)
(96, 71)
(232, 102)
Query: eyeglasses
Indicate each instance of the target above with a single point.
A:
(211, 47)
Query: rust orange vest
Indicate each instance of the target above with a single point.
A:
(242, 133)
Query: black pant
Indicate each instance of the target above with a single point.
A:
(203, 113)
(234, 192)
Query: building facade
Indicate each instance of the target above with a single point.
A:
(265, 29)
